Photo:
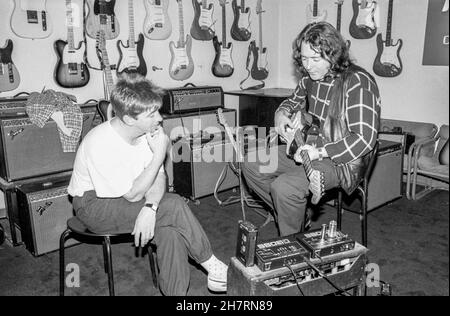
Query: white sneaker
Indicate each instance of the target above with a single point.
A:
(217, 283)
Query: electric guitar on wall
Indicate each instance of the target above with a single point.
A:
(157, 25)
(181, 64)
(101, 16)
(240, 30)
(104, 106)
(259, 67)
(30, 19)
(202, 25)
(223, 62)
(130, 57)
(9, 76)
(387, 63)
(71, 70)
(313, 13)
(339, 18)
(363, 24)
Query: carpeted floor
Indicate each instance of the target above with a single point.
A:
(407, 239)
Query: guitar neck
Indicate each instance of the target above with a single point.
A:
(69, 19)
(204, 4)
(181, 42)
(131, 39)
(316, 7)
(389, 23)
(306, 162)
(339, 12)
(242, 6)
(224, 26)
(107, 74)
(260, 32)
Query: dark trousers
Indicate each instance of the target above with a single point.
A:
(178, 234)
(285, 189)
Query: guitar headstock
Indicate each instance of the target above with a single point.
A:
(221, 118)
(259, 9)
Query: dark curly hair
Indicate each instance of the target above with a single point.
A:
(328, 42)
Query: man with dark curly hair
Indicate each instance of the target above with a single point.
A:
(343, 101)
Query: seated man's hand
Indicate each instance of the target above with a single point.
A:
(311, 150)
(144, 227)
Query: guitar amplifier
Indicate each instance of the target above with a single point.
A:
(13, 106)
(44, 209)
(192, 99)
(27, 150)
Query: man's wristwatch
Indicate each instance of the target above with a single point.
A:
(154, 207)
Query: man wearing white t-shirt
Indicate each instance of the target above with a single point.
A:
(118, 185)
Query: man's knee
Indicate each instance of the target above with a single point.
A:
(280, 188)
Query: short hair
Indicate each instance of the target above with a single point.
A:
(133, 94)
(325, 40)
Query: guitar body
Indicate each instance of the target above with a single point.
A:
(240, 30)
(223, 62)
(157, 25)
(70, 70)
(201, 28)
(387, 63)
(30, 19)
(9, 76)
(101, 16)
(259, 66)
(181, 63)
(131, 59)
(362, 25)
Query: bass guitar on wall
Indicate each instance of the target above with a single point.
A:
(71, 70)
(259, 66)
(157, 24)
(101, 16)
(130, 56)
(240, 29)
(30, 19)
(9, 76)
(363, 24)
(202, 25)
(388, 63)
(223, 62)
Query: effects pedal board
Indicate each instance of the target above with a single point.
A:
(279, 252)
(325, 241)
(246, 243)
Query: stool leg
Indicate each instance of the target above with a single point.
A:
(62, 241)
(363, 215)
(339, 210)
(108, 263)
(153, 266)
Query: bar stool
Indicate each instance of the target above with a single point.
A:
(80, 232)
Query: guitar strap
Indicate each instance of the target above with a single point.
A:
(255, 87)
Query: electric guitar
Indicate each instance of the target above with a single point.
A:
(363, 24)
(130, 57)
(259, 67)
(30, 19)
(181, 64)
(223, 62)
(240, 30)
(9, 76)
(339, 18)
(71, 70)
(202, 25)
(157, 25)
(101, 16)
(316, 178)
(387, 63)
(104, 106)
(313, 15)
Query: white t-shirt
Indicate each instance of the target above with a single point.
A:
(106, 163)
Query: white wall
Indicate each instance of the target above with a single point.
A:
(419, 93)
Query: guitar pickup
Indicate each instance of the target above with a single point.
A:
(73, 68)
(44, 20)
(32, 17)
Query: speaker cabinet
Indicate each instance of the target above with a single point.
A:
(44, 209)
(27, 150)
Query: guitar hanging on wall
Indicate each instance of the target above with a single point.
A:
(104, 106)
(388, 63)
(130, 57)
(71, 70)
(157, 24)
(9, 76)
(181, 64)
(363, 24)
(223, 61)
(101, 16)
(339, 4)
(202, 25)
(240, 30)
(30, 19)
(259, 66)
(313, 15)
